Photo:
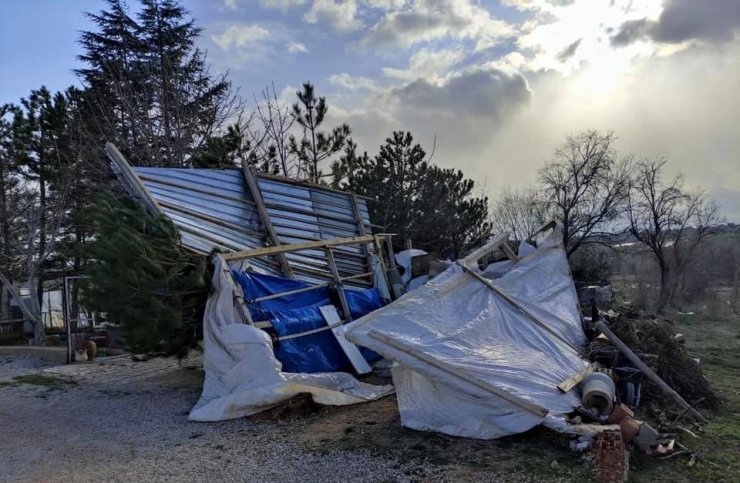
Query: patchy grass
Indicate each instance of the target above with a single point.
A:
(542, 454)
(49, 382)
(716, 342)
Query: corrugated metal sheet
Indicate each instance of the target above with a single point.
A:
(213, 209)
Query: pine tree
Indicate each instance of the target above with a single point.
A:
(143, 279)
(434, 208)
(148, 88)
(40, 139)
(315, 146)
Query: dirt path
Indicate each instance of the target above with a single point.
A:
(121, 420)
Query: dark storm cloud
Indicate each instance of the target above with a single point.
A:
(487, 93)
(712, 21)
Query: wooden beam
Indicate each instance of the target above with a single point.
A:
(575, 379)
(649, 373)
(509, 252)
(516, 305)
(251, 178)
(133, 180)
(261, 252)
(486, 249)
(515, 400)
(329, 312)
(338, 282)
(359, 275)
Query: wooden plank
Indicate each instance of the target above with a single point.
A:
(486, 249)
(575, 379)
(515, 400)
(133, 180)
(649, 373)
(251, 179)
(261, 252)
(359, 275)
(510, 253)
(521, 309)
(350, 350)
(361, 227)
(338, 282)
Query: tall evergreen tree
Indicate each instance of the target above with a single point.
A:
(40, 131)
(143, 279)
(315, 145)
(148, 87)
(434, 208)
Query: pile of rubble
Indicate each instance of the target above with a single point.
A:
(306, 301)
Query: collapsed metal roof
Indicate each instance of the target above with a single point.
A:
(215, 209)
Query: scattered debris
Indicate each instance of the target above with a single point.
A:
(611, 461)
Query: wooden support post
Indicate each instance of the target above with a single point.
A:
(338, 282)
(509, 252)
(360, 226)
(391, 255)
(514, 303)
(350, 350)
(133, 180)
(649, 373)
(250, 176)
(486, 249)
(515, 400)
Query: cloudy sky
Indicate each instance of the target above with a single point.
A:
(498, 84)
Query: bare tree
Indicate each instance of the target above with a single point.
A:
(270, 138)
(519, 212)
(586, 186)
(670, 221)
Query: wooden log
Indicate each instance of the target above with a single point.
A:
(649, 373)
(251, 179)
(515, 400)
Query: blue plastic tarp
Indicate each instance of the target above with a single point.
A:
(297, 313)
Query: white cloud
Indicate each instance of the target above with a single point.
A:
(297, 47)
(240, 36)
(340, 14)
(428, 64)
(352, 83)
(282, 4)
(230, 4)
(385, 4)
(428, 20)
(564, 36)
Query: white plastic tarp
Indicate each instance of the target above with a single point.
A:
(473, 334)
(243, 376)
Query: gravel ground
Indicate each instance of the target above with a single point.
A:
(127, 421)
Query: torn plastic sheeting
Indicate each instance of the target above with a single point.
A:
(464, 325)
(243, 376)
